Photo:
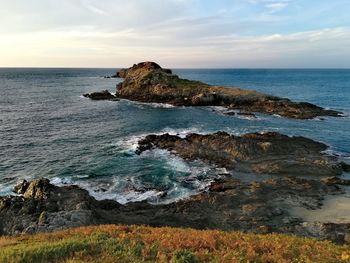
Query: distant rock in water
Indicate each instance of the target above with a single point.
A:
(144, 66)
(102, 95)
(149, 82)
(270, 153)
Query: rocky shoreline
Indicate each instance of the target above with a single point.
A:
(302, 175)
(148, 82)
(269, 153)
(228, 204)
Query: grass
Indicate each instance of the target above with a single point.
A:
(112, 243)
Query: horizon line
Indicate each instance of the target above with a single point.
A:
(54, 67)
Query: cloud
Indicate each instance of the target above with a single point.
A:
(112, 49)
(272, 5)
(191, 33)
(38, 15)
(277, 6)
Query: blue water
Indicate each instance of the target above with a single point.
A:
(47, 129)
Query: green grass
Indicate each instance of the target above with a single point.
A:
(111, 243)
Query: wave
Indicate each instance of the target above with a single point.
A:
(333, 152)
(180, 180)
(130, 143)
(144, 105)
(161, 105)
(223, 111)
(113, 190)
(6, 190)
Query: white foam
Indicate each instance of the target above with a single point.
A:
(58, 181)
(221, 170)
(173, 162)
(144, 105)
(130, 143)
(161, 105)
(277, 115)
(182, 133)
(6, 190)
(250, 118)
(223, 111)
(331, 151)
(218, 108)
(127, 197)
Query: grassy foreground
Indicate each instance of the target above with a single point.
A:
(112, 243)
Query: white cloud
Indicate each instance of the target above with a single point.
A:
(112, 33)
(272, 5)
(89, 48)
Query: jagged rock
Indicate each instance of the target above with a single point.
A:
(346, 167)
(260, 207)
(21, 187)
(102, 95)
(149, 82)
(335, 180)
(36, 189)
(271, 152)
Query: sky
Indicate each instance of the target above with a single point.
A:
(175, 33)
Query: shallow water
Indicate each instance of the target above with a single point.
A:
(335, 209)
(48, 129)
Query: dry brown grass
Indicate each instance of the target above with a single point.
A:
(112, 243)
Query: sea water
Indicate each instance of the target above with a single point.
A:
(48, 129)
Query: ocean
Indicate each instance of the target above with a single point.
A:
(48, 129)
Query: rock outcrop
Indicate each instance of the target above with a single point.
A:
(102, 95)
(148, 82)
(269, 153)
(229, 204)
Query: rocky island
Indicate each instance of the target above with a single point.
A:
(102, 95)
(149, 82)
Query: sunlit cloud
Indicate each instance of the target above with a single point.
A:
(176, 33)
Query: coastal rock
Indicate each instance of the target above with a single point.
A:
(42, 206)
(146, 66)
(271, 153)
(333, 180)
(36, 189)
(244, 114)
(102, 95)
(229, 204)
(149, 82)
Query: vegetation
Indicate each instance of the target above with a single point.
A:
(111, 243)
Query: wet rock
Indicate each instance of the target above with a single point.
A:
(246, 114)
(35, 189)
(222, 185)
(102, 95)
(21, 187)
(271, 153)
(334, 180)
(338, 233)
(149, 82)
(229, 204)
(345, 166)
